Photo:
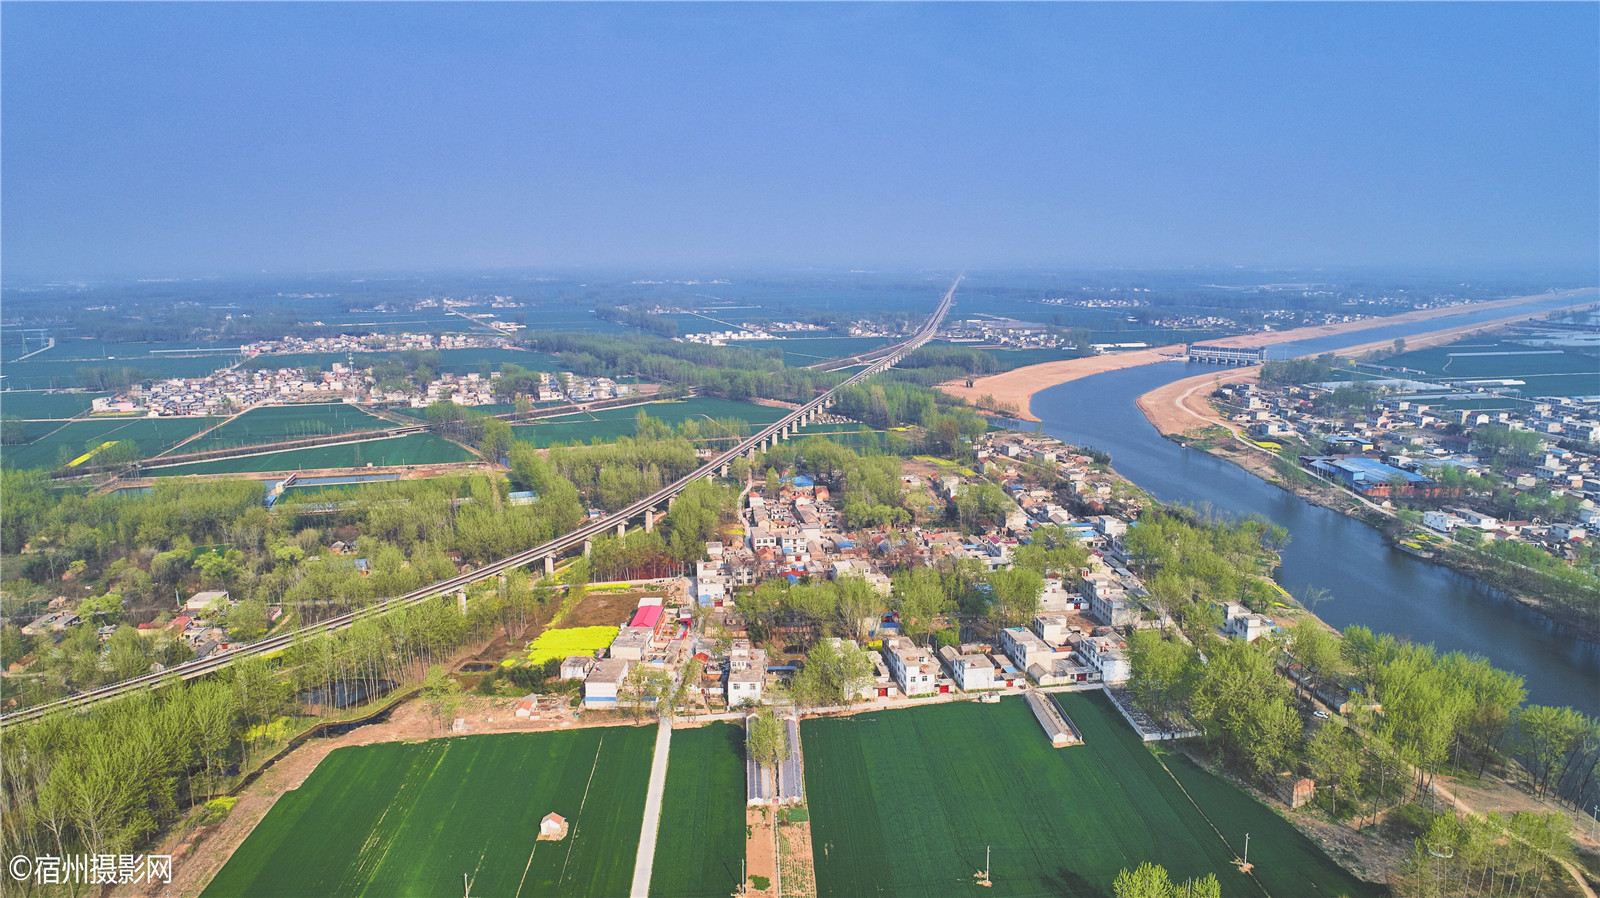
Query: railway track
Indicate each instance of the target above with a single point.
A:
(781, 429)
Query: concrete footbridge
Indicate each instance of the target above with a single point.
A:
(545, 555)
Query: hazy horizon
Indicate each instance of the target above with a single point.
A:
(157, 141)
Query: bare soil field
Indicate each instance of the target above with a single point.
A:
(760, 852)
(603, 609)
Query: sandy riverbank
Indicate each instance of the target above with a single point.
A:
(1017, 387)
(1184, 405)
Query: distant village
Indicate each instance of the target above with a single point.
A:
(372, 343)
(766, 330)
(1398, 448)
(235, 388)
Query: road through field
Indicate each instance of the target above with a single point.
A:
(645, 861)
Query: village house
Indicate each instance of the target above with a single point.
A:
(912, 667)
(1239, 622)
(1106, 656)
(747, 670)
(971, 672)
(601, 686)
(205, 601)
(576, 667)
(1024, 647)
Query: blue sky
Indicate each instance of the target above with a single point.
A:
(169, 140)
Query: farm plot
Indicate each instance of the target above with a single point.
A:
(905, 802)
(71, 440)
(702, 812)
(274, 423)
(1499, 358)
(36, 404)
(612, 423)
(801, 351)
(47, 371)
(564, 641)
(1560, 384)
(414, 449)
(412, 818)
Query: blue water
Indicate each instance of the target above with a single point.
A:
(1371, 583)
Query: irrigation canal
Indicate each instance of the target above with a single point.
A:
(1370, 582)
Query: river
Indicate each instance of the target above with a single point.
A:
(1370, 583)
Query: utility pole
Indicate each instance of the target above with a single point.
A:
(1247, 850)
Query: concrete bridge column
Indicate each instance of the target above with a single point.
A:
(549, 565)
(724, 470)
(622, 529)
(461, 600)
(588, 546)
(649, 520)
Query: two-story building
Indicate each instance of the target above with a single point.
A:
(747, 672)
(631, 643)
(762, 538)
(970, 671)
(1107, 657)
(911, 666)
(1108, 600)
(1052, 627)
(1239, 622)
(1024, 647)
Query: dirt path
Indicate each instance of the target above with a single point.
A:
(1462, 807)
(1017, 387)
(644, 861)
(760, 852)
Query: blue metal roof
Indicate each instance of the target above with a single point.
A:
(1375, 471)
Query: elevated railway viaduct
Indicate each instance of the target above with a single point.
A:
(544, 555)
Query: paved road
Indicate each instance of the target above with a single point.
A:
(645, 861)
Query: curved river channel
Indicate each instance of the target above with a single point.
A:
(1370, 582)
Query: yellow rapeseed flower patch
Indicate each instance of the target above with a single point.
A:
(90, 454)
(569, 641)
